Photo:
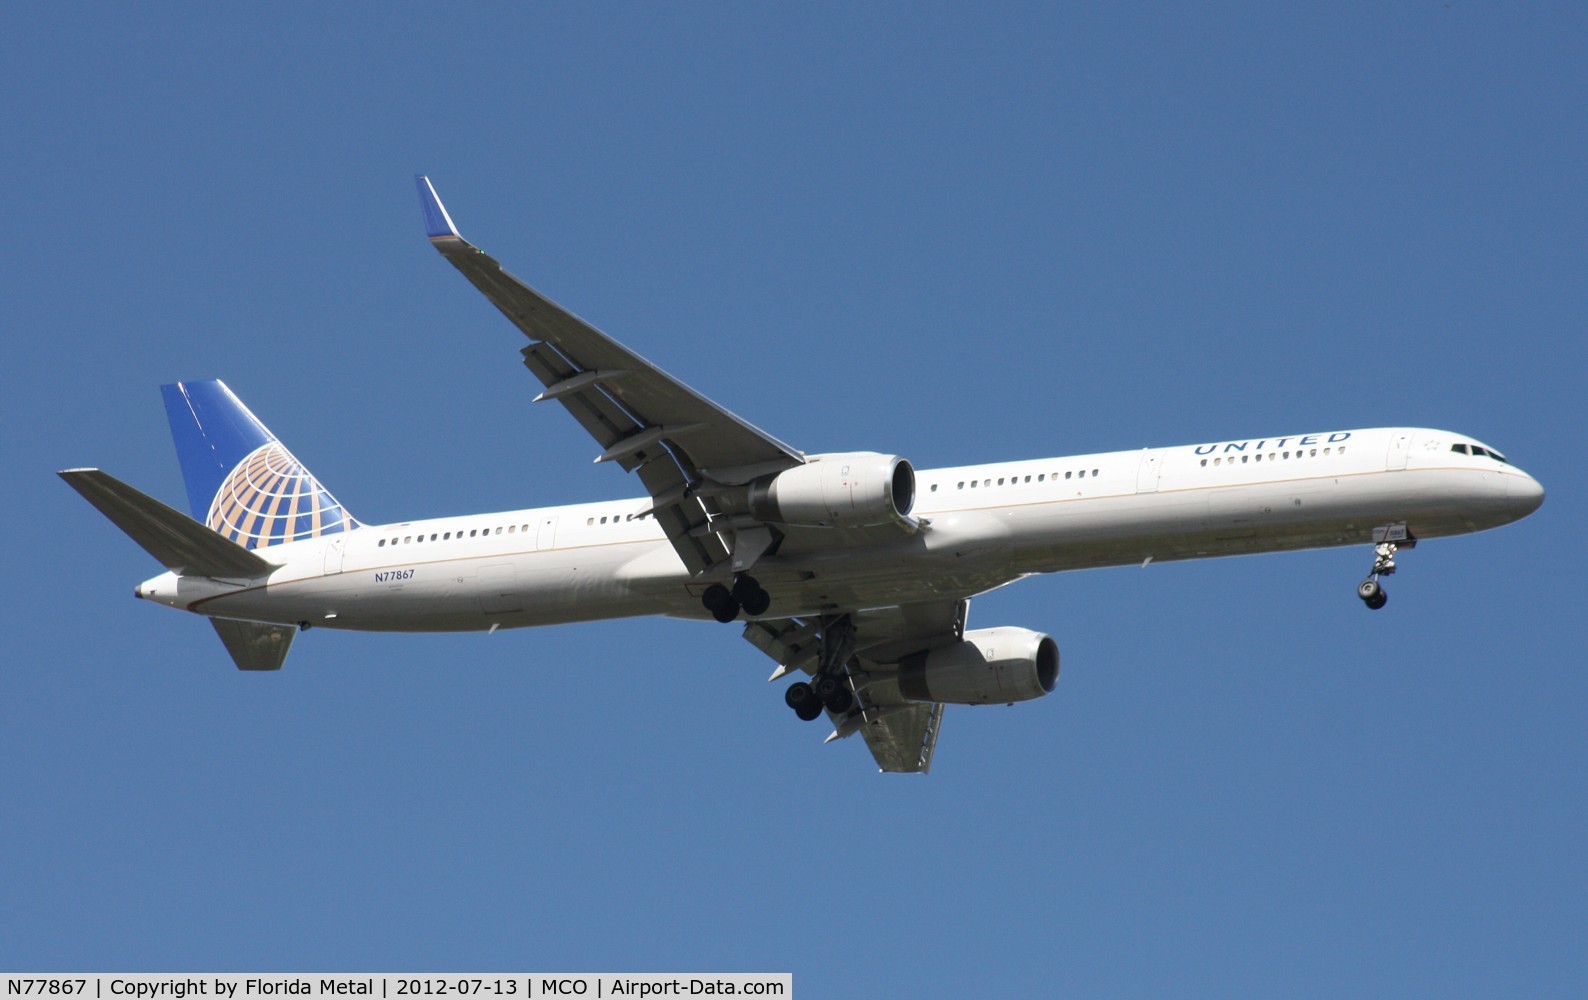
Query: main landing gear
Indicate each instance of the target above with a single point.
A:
(1389, 541)
(830, 688)
(745, 595)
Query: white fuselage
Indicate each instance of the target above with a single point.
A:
(982, 526)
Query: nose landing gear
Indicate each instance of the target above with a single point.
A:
(1390, 540)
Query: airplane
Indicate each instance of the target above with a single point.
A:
(852, 571)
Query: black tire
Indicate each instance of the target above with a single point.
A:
(1369, 590)
(840, 702)
(827, 686)
(727, 612)
(802, 699)
(756, 603)
(1381, 599)
(798, 693)
(745, 587)
(716, 596)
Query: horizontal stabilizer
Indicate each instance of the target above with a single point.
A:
(182, 544)
(254, 645)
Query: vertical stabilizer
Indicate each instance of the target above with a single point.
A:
(241, 481)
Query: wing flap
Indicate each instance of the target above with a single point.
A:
(903, 740)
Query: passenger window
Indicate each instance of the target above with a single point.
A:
(1094, 473)
(1041, 477)
(1000, 480)
(1245, 459)
(1340, 450)
(408, 538)
(498, 529)
(986, 483)
(381, 544)
(961, 485)
(1068, 475)
(1218, 461)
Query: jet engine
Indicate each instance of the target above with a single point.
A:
(849, 490)
(991, 665)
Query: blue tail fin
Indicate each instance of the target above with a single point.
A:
(241, 481)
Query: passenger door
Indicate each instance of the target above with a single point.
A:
(1400, 445)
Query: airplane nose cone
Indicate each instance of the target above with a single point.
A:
(1523, 494)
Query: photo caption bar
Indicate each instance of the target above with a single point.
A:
(392, 985)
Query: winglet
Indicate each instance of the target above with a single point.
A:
(438, 224)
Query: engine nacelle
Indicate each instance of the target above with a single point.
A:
(991, 665)
(849, 490)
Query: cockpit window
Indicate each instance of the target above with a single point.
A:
(1480, 451)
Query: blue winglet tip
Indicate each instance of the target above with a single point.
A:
(438, 224)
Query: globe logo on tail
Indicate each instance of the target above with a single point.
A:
(270, 499)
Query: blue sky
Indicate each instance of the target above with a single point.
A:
(955, 234)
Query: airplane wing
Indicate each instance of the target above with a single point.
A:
(643, 419)
(901, 734)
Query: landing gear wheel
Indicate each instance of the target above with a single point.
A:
(757, 603)
(719, 601)
(833, 693)
(803, 701)
(1372, 593)
(840, 702)
(750, 595)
